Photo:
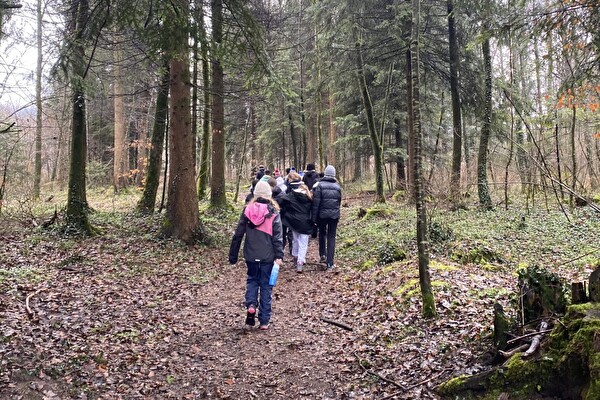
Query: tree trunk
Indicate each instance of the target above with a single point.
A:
(456, 115)
(37, 176)
(217, 183)
(148, 200)
(482, 185)
(204, 152)
(331, 158)
(120, 139)
(293, 137)
(77, 205)
(410, 146)
(400, 172)
(368, 105)
(182, 202)
(573, 155)
(423, 251)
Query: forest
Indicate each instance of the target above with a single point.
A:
(465, 136)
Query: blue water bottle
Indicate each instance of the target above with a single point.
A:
(274, 273)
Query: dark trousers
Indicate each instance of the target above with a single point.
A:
(287, 237)
(327, 232)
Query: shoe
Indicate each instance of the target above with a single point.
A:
(323, 259)
(250, 315)
(264, 327)
(299, 268)
(330, 267)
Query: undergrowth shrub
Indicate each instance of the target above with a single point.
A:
(541, 293)
(475, 253)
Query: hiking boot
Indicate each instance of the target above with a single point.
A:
(323, 259)
(299, 268)
(250, 315)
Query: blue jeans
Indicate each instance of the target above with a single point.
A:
(258, 280)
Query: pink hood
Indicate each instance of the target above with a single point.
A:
(258, 214)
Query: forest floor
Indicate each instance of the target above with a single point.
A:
(125, 315)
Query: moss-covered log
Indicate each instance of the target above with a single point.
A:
(567, 368)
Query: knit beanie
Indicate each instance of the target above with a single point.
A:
(330, 171)
(262, 189)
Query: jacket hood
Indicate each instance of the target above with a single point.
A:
(257, 213)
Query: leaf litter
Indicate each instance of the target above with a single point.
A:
(126, 316)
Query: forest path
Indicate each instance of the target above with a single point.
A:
(298, 357)
(108, 322)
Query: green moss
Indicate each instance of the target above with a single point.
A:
(378, 210)
(407, 287)
(438, 266)
(366, 265)
(452, 386)
(348, 243)
(429, 306)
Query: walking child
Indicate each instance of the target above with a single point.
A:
(261, 224)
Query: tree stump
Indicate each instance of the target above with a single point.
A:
(595, 285)
(578, 293)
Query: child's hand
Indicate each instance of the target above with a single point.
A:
(279, 262)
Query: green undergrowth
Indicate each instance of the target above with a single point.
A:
(491, 239)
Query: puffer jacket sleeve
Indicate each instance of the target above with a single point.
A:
(316, 203)
(236, 241)
(277, 238)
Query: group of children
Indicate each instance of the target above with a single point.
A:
(282, 210)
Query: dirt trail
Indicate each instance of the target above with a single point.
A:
(106, 330)
(298, 357)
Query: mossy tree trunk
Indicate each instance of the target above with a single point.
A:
(77, 205)
(423, 251)
(456, 115)
(483, 189)
(205, 143)
(368, 105)
(148, 199)
(217, 182)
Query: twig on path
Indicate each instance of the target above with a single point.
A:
(417, 384)
(537, 339)
(511, 341)
(338, 324)
(30, 313)
(368, 371)
(509, 354)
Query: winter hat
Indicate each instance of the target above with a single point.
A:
(265, 178)
(310, 167)
(330, 171)
(263, 189)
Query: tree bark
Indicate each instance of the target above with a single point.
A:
(182, 203)
(37, 176)
(422, 244)
(205, 149)
(456, 114)
(77, 205)
(368, 105)
(482, 185)
(217, 183)
(148, 199)
(120, 169)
